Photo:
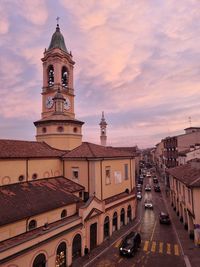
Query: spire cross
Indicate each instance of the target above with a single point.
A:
(57, 20)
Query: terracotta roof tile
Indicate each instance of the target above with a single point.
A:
(118, 196)
(89, 150)
(22, 200)
(24, 149)
(133, 150)
(188, 174)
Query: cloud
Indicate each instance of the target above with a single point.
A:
(34, 11)
(136, 60)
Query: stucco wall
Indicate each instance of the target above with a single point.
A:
(19, 227)
(10, 170)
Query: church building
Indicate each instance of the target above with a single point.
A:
(59, 194)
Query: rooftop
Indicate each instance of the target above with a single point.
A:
(89, 150)
(188, 174)
(31, 198)
(27, 149)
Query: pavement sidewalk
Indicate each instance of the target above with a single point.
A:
(190, 252)
(98, 251)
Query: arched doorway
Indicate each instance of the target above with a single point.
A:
(129, 214)
(61, 255)
(93, 235)
(114, 222)
(106, 227)
(40, 261)
(76, 247)
(122, 217)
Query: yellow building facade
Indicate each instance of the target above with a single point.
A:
(58, 194)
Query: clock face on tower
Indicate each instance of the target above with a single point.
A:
(49, 102)
(67, 104)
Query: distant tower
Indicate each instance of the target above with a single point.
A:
(103, 125)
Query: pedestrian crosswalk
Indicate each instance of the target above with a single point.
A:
(157, 247)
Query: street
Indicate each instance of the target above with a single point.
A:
(159, 246)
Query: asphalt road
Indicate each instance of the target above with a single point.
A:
(159, 245)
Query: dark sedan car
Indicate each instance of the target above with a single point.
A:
(164, 218)
(130, 244)
(155, 180)
(157, 188)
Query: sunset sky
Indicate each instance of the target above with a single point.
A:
(138, 61)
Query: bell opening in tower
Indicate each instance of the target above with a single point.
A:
(51, 75)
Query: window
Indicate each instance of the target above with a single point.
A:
(75, 173)
(126, 171)
(21, 178)
(176, 185)
(108, 176)
(44, 129)
(60, 129)
(32, 225)
(80, 194)
(34, 176)
(40, 261)
(183, 188)
(63, 214)
(75, 130)
(189, 195)
(118, 177)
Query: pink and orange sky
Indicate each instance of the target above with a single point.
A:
(139, 61)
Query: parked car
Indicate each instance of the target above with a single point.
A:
(140, 181)
(157, 188)
(155, 180)
(147, 187)
(148, 175)
(148, 204)
(130, 244)
(139, 187)
(164, 218)
(139, 195)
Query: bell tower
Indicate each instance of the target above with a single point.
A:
(58, 126)
(58, 68)
(103, 125)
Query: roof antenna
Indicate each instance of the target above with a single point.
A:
(190, 121)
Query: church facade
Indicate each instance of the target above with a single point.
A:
(58, 194)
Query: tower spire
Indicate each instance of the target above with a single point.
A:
(103, 125)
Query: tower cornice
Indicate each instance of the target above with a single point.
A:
(56, 52)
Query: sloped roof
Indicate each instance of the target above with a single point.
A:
(188, 174)
(24, 149)
(183, 152)
(21, 200)
(89, 150)
(132, 149)
(118, 196)
(57, 40)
